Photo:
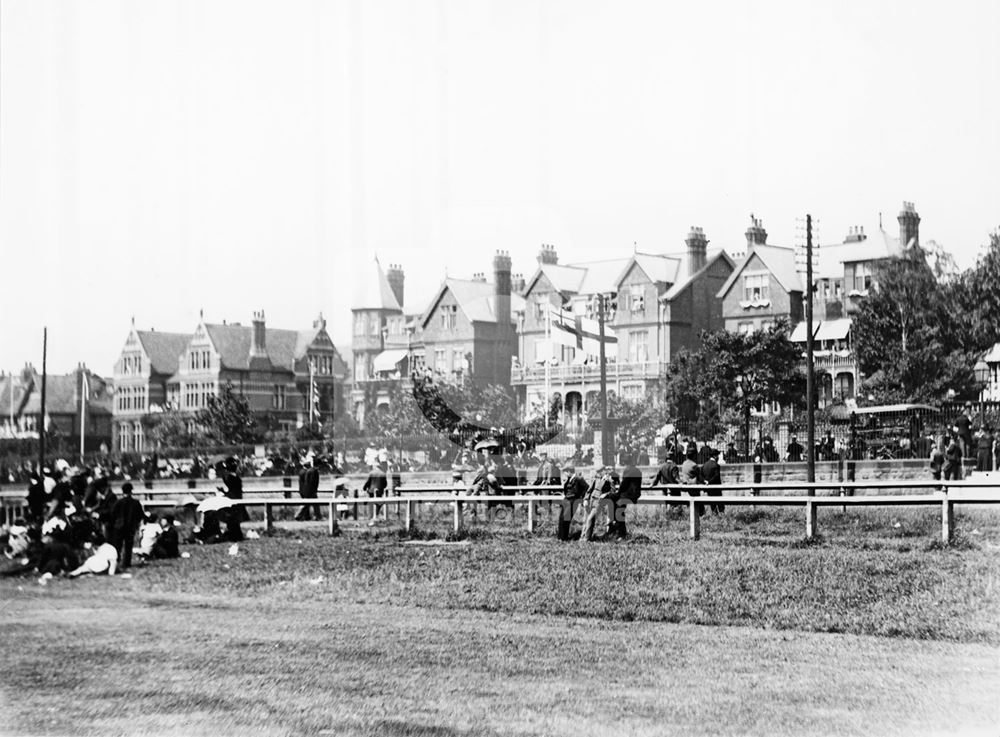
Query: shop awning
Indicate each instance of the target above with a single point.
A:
(388, 360)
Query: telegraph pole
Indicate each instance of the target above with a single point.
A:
(605, 434)
(41, 428)
(810, 419)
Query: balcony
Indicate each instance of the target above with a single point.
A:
(590, 372)
(835, 361)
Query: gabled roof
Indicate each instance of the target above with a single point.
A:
(878, 247)
(778, 260)
(163, 349)
(681, 284)
(283, 347)
(476, 299)
(62, 395)
(373, 292)
(6, 393)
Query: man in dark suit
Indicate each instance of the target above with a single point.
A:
(628, 493)
(309, 489)
(667, 474)
(794, 451)
(711, 475)
(126, 516)
(574, 491)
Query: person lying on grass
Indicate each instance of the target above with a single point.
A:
(103, 560)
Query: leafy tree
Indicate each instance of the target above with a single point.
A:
(228, 420)
(911, 336)
(979, 296)
(766, 366)
(169, 429)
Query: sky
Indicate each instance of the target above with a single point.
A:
(160, 159)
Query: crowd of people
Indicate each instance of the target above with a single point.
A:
(74, 523)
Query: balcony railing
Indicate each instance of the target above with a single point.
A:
(589, 372)
(832, 361)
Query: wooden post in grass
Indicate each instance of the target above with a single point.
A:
(947, 519)
(268, 517)
(333, 517)
(810, 520)
(458, 516)
(409, 515)
(531, 516)
(695, 519)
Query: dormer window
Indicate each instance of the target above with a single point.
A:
(449, 317)
(755, 288)
(636, 298)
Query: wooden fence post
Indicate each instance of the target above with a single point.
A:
(458, 516)
(268, 517)
(531, 516)
(333, 518)
(810, 520)
(695, 519)
(947, 520)
(409, 515)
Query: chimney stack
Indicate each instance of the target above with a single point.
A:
(756, 235)
(855, 234)
(395, 278)
(501, 280)
(697, 247)
(547, 255)
(320, 322)
(909, 225)
(517, 284)
(259, 345)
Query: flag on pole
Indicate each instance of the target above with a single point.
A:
(582, 333)
(313, 394)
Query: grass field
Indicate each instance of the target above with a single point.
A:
(875, 629)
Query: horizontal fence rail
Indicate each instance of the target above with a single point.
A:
(944, 494)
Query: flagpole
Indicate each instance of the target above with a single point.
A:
(312, 403)
(41, 429)
(84, 394)
(548, 360)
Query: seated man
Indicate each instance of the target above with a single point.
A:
(166, 545)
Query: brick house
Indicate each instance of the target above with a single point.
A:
(664, 302)
(268, 366)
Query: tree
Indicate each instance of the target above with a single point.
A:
(228, 419)
(979, 296)
(911, 336)
(753, 369)
(738, 371)
(169, 429)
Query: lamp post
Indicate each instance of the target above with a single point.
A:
(982, 372)
(743, 391)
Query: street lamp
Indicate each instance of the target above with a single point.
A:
(982, 372)
(743, 392)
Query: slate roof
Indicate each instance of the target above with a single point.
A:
(680, 285)
(476, 299)
(233, 342)
(61, 395)
(5, 395)
(163, 349)
(832, 257)
(373, 292)
(592, 277)
(778, 260)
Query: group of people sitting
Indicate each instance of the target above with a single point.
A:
(72, 529)
(75, 523)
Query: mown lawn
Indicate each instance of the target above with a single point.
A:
(875, 629)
